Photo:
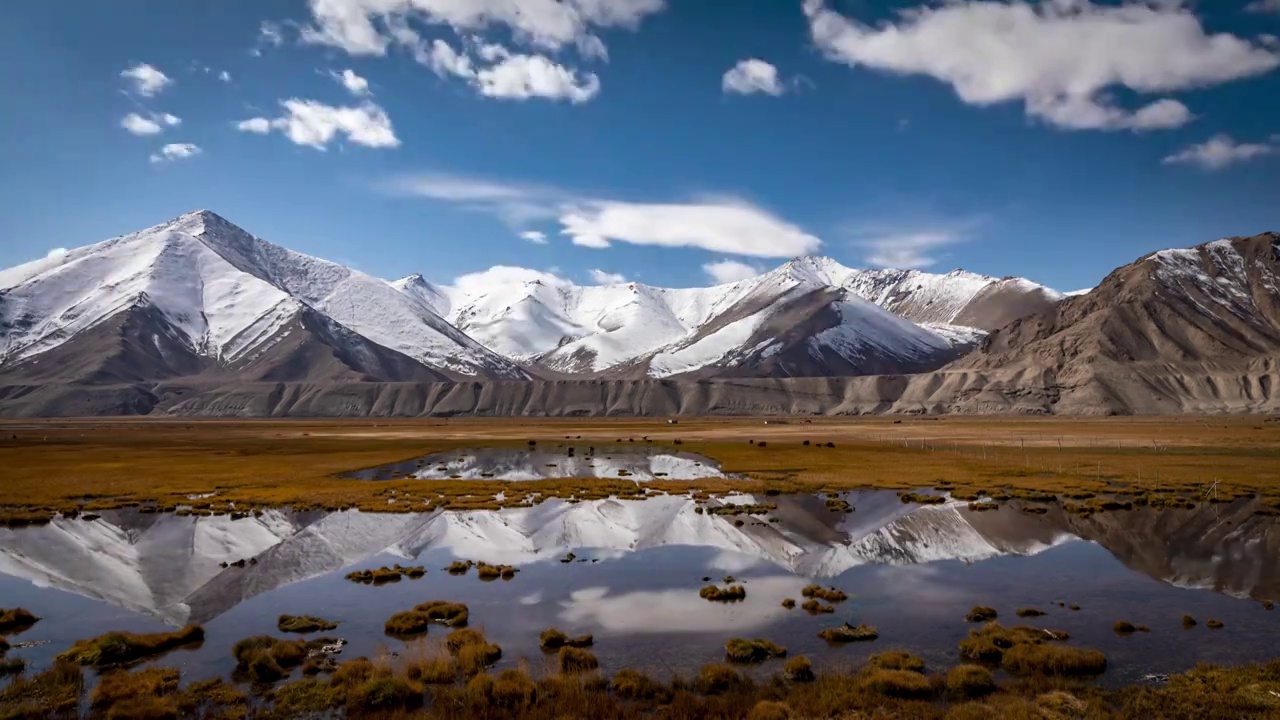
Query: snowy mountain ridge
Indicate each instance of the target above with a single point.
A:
(658, 332)
(199, 296)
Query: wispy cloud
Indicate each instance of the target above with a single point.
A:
(600, 277)
(1219, 152)
(720, 224)
(176, 151)
(914, 244)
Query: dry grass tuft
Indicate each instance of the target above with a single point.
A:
(576, 660)
(813, 607)
(121, 648)
(848, 633)
(303, 624)
(1053, 660)
(831, 595)
(981, 613)
(970, 681)
(554, 639)
(743, 650)
(16, 620)
(896, 660)
(733, 593)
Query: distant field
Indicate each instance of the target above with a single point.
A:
(64, 465)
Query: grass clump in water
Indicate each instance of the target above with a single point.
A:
(264, 659)
(122, 648)
(384, 574)
(970, 681)
(554, 639)
(303, 624)
(798, 669)
(733, 593)
(1188, 622)
(831, 595)
(459, 567)
(1053, 660)
(989, 643)
(574, 660)
(1214, 624)
(1030, 612)
(16, 620)
(921, 498)
(742, 650)
(849, 633)
(813, 607)
(789, 603)
(896, 660)
(1124, 627)
(485, 571)
(12, 666)
(981, 613)
(471, 651)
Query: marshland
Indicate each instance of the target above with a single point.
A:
(249, 565)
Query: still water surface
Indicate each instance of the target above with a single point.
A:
(551, 461)
(913, 572)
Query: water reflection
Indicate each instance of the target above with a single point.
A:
(170, 567)
(633, 462)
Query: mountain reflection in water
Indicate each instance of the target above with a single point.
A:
(169, 566)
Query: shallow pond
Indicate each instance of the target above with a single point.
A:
(912, 571)
(551, 461)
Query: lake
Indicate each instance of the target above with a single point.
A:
(913, 571)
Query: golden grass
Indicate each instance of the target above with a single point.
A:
(743, 650)
(303, 624)
(384, 574)
(16, 620)
(554, 639)
(989, 643)
(981, 613)
(831, 595)
(122, 648)
(733, 593)
(576, 660)
(896, 660)
(798, 669)
(1027, 659)
(849, 633)
(264, 659)
(970, 681)
(260, 463)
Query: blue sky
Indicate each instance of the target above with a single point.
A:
(664, 142)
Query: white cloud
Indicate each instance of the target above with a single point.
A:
(1218, 152)
(504, 276)
(146, 80)
(152, 124)
(139, 125)
(57, 252)
(520, 77)
(726, 226)
(224, 76)
(1263, 6)
(354, 84)
(674, 610)
(315, 124)
(600, 277)
(176, 151)
(1058, 56)
(907, 249)
(536, 237)
(727, 271)
(510, 76)
(368, 27)
(720, 225)
(752, 76)
(259, 125)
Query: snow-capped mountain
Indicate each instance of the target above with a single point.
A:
(811, 316)
(199, 299)
(198, 295)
